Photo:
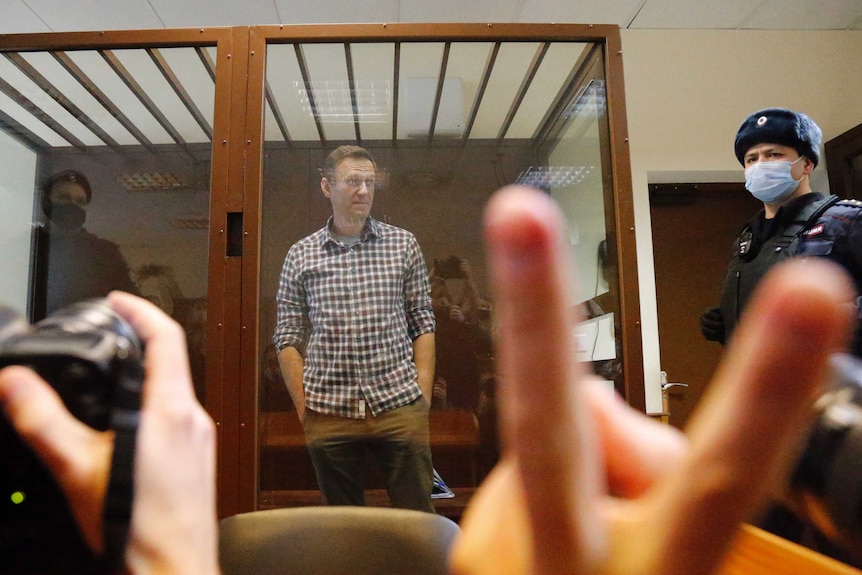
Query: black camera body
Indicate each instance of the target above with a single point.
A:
(826, 484)
(94, 360)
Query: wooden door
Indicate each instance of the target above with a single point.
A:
(693, 228)
(844, 163)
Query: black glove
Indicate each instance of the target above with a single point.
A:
(712, 325)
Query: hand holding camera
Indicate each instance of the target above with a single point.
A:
(174, 456)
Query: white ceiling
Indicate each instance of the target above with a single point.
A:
(18, 16)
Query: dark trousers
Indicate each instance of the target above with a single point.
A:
(398, 440)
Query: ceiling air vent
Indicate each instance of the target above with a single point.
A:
(151, 182)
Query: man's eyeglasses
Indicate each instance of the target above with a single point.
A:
(355, 183)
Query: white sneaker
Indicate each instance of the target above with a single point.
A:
(440, 489)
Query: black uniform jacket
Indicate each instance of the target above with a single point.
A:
(810, 225)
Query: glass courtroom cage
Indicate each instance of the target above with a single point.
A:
(203, 150)
(450, 113)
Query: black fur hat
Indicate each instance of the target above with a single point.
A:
(779, 126)
(69, 176)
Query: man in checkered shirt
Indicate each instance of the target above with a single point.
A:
(355, 342)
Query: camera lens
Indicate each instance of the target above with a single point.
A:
(827, 480)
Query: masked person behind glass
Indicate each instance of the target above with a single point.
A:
(779, 149)
(71, 263)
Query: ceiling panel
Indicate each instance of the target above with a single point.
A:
(800, 14)
(195, 81)
(619, 12)
(195, 13)
(17, 17)
(693, 14)
(458, 10)
(72, 16)
(315, 92)
(271, 132)
(467, 63)
(336, 11)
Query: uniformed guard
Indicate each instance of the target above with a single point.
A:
(779, 149)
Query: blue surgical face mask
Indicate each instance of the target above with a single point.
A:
(771, 182)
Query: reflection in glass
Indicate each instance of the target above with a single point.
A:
(72, 263)
(145, 231)
(123, 146)
(575, 177)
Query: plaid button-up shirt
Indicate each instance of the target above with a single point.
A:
(353, 312)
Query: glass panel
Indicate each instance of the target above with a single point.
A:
(437, 191)
(513, 62)
(152, 82)
(544, 88)
(145, 232)
(465, 69)
(126, 206)
(327, 73)
(576, 177)
(18, 166)
(50, 67)
(35, 95)
(18, 114)
(419, 73)
(94, 66)
(575, 181)
(373, 73)
(285, 83)
(186, 64)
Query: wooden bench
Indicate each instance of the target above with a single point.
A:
(285, 465)
(452, 508)
(449, 428)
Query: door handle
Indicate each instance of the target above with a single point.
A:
(665, 386)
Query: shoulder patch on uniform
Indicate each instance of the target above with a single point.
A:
(814, 231)
(849, 202)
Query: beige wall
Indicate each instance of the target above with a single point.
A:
(687, 91)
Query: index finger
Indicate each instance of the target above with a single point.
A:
(545, 426)
(166, 355)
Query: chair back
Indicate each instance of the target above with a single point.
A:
(336, 541)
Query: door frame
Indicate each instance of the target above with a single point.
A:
(839, 151)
